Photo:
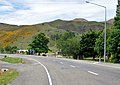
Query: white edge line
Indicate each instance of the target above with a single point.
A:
(93, 73)
(48, 74)
(49, 78)
(108, 66)
(72, 66)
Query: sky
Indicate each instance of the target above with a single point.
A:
(28, 12)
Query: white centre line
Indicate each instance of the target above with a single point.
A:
(72, 66)
(93, 73)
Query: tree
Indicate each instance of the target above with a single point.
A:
(87, 43)
(39, 43)
(63, 38)
(1, 49)
(14, 49)
(64, 43)
(74, 47)
(8, 49)
(117, 18)
(99, 44)
(114, 45)
(70, 47)
(114, 38)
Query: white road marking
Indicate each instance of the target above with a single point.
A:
(93, 73)
(96, 63)
(61, 62)
(72, 66)
(48, 74)
(108, 66)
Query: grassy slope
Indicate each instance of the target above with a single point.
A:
(23, 35)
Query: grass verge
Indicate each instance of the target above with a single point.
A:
(12, 60)
(8, 77)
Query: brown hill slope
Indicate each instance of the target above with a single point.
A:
(21, 36)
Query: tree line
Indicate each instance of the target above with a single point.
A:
(8, 49)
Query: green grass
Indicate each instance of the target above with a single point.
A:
(8, 77)
(12, 60)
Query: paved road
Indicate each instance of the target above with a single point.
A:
(58, 71)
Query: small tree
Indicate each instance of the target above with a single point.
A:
(8, 49)
(1, 49)
(39, 44)
(14, 49)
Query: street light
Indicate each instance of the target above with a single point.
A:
(104, 27)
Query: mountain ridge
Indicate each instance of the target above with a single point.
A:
(76, 19)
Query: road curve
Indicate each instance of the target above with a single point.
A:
(66, 72)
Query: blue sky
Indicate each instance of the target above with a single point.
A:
(26, 12)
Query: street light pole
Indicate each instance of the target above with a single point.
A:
(105, 35)
(105, 26)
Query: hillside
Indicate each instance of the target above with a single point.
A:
(21, 36)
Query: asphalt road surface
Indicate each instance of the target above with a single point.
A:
(58, 71)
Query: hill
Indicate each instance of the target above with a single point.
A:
(21, 36)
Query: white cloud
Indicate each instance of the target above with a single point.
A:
(38, 11)
(4, 8)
